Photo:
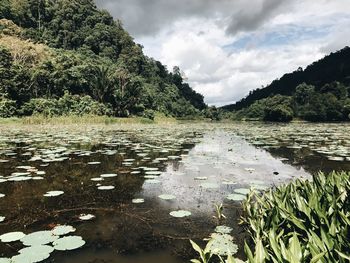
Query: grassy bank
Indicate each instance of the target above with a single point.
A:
(83, 120)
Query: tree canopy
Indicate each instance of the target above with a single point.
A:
(55, 48)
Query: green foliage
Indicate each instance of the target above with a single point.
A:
(91, 55)
(8, 108)
(149, 114)
(304, 221)
(66, 105)
(278, 108)
(330, 103)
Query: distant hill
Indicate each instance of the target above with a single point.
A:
(334, 67)
(68, 57)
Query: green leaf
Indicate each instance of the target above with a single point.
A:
(343, 255)
(318, 257)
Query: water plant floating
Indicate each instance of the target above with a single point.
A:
(68, 243)
(180, 213)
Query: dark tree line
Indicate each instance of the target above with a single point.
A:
(329, 103)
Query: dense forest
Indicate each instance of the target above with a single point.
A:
(61, 57)
(321, 92)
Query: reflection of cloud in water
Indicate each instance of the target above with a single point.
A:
(221, 157)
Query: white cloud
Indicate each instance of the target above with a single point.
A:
(275, 37)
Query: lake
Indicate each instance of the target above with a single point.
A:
(138, 193)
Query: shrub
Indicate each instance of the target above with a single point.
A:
(8, 108)
(279, 113)
(149, 114)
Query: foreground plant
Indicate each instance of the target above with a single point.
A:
(304, 221)
(219, 215)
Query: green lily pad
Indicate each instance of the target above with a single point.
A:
(94, 163)
(62, 230)
(86, 217)
(12, 237)
(53, 193)
(243, 191)
(180, 213)
(33, 254)
(68, 243)
(39, 238)
(236, 197)
(106, 187)
(108, 175)
(229, 183)
(223, 229)
(138, 201)
(97, 179)
(153, 172)
(209, 185)
(152, 181)
(167, 197)
(222, 245)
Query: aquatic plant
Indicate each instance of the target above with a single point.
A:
(219, 215)
(304, 221)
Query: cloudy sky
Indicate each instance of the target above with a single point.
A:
(228, 47)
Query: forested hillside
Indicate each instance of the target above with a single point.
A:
(318, 93)
(62, 57)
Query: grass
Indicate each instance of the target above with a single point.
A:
(85, 119)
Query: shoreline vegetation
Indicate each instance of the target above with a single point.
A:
(302, 221)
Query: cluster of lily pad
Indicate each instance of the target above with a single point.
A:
(331, 141)
(39, 245)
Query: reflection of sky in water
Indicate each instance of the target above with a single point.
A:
(221, 157)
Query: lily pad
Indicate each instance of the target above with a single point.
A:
(53, 193)
(180, 213)
(11, 237)
(236, 197)
(223, 229)
(106, 187)
(62, 230)
(39, 238)
(33, 254)
(209, 185)
(243, 191)
(86, 217)
(68, 243)
(94, 163)
(167, 197)
(138, 200)
(97, 179)
(152, 181)
(108, 175)
(222, 244)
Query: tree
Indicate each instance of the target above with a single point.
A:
(102, 82)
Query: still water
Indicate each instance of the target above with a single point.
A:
(128, 180)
